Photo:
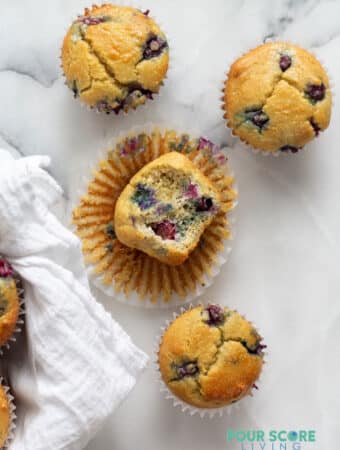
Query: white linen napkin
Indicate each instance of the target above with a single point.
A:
(76, 364)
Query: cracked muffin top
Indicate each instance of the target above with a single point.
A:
(277, 97)
(5, 417)
(114, 57)
(165, 208)
(210, 357)
(9, 301)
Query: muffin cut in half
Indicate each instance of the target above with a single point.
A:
(165, 208)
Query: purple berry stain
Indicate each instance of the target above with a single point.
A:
(285, 62)
(164, 229)
(191, 191)
(93, 20)
(315, 92)
(144, 196)
(6, 270)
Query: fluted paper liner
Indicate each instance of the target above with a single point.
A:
(242, 142)
(13, 416)
(129, 274)
(176, 401)
(21, 315)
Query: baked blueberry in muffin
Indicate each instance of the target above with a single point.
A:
(277, 97)
(210, 356)
(165, 208)
(114, 58)
(9, 301)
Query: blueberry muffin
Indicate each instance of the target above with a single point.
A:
(128, 273)
(5, 417)
(165, 208)
(114, 58)
(277, 97)
(9, 302)
(210, 357)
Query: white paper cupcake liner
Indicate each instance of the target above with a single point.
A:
(177, 402)
(133, 298)
(21, 315)
(245, 145)
(13, 416)
(171, 64)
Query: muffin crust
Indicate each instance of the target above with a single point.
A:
(114, 57)
(5, 417)
(9, 302)
(210, 357)
(277, 97)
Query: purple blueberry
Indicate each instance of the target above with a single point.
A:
(316, 92)
(187, 369)
(291, 148)
(154, 47)
(6, 270)
(165, 229)
(259, 349)
(203, 204)
(258, 117)
(214, 314)
(315, 126)
(285, 62)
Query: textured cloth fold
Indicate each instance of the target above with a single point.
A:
(75, 364)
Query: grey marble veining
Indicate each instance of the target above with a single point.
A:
(284, 269)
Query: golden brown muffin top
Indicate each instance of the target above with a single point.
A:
(277, 97)
(114, 57)
(210, 357)
(9, 301)
(5, 417)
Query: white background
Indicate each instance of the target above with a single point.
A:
(284, 269)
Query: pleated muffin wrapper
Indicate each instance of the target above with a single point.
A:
(244, 144)
(171, 63)
(13, 416)
(176, 401)
(129, 275)
(21, 315)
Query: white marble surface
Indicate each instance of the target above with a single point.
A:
(284, 268)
